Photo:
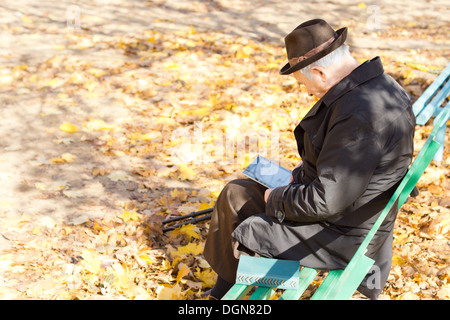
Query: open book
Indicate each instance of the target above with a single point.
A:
(267, 173)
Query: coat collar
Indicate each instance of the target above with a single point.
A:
(366, 71)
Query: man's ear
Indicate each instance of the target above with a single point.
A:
(320, 71)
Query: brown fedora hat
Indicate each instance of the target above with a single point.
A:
(309, 42)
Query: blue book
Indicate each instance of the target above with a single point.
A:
(265, 272)
(267, 173)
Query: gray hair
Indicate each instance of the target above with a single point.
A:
(332, 58)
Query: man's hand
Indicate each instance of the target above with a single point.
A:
(268, 191)
(266, 194)
(298, 165)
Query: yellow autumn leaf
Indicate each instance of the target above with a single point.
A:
(168, 292)
(190, 248)
(56, 160)
(401, 239)
(422, 67)
(149, 136)
(129, 215)
(215, 194)
(62, 95)
(183, 271)
(90, 85)
(91, 261)
(40, 186)
(68, 127)
(172, 65)
(182, 194)
(244, 52)
(59, 47)
(26, 19)
(397, 260)
(52, 82)
(122, 276)
(201, 112)
(362, 5)
(68, 157)
(97, 125)
(96, 72)
(188, 229)
(99, 172)
(175, 142)
(186, 173)
(146, 258)
(205, 205)
(65, 157)
(36, 231)
(119, 175)
(208, 276)
(409, 76)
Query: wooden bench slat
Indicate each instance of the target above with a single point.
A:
(237, 292)
(430, 91)
(342, 285)
(431, 108)
(307, 275)
(262, 293)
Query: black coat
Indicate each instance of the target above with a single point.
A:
(356, 144)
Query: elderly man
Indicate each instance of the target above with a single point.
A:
(356, 144)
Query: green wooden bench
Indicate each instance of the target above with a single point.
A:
(272, 274)
(431, 102)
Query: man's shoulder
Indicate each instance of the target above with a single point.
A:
(380, 99)
(382, 89)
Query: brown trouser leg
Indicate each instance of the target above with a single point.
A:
(238, 200)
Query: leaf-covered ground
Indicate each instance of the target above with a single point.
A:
(95, 121)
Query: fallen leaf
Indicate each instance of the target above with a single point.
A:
(146, 258)
(99, 172)
(119, 175)
(96, 72)
(97, 125)
(73, 193)
(64, 158)
(68, 127)
(187, 173)
(68, 157)
(36, 231)
(168, 292)
(129, 215)
(362, 5)
(56, 160)
(444, 293)
(91, 261)
(188, 229)
(183, 271)
(397, 260)
(123, 278)
(148, 136)
(26, 19)
(190, 248)
(208, 277)
(204, 205)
